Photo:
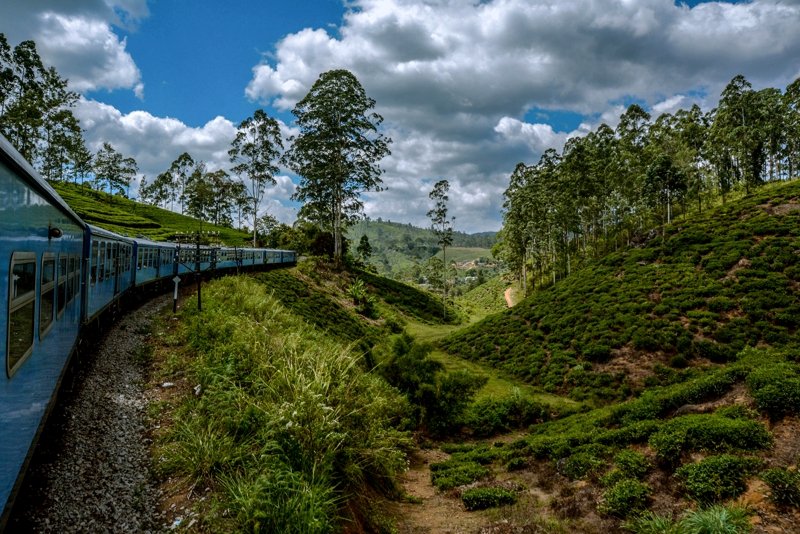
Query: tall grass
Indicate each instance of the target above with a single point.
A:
(289, 429)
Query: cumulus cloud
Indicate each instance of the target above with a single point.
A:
(77, 37)
(454, 79)
(155, 142)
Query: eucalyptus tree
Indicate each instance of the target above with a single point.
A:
(442, 228)
(515, 237)
(664, 184)
(113, 170)
(178, 176)
(241, 202)
(337, 151)
(633, 137)
(254, 152)
(36, 109)
(791, 99)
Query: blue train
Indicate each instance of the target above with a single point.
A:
(60, 275)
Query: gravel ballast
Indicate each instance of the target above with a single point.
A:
(91, 471)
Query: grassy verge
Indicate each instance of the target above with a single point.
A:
(285, 429)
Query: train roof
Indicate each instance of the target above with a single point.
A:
(10, 156)
(102, 232)
(150, 243)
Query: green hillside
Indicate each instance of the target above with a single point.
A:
(712, 285)
(401, 250)
(127, 217)
(688, 349)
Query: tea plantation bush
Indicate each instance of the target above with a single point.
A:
(483, 498)
(784, 486)
(625, 498)
(707, 432)
(718, 477)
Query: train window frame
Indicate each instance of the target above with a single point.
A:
(101, 262)
(46, 323)
(93, 263)
(61, 285)
(18, 303)
(72, 265)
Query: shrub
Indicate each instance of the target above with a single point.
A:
(624, 498)
(490, 416)
(776, 389)
(784, 486)
(457, 474)
(718, 477)
(632, 464)
(707, 432)
(483, 498)
(579, 465)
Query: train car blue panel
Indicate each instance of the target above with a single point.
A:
(154, 261)
(109, 274)
(40, 246)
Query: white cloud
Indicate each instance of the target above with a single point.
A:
(77, 37)
(155, 142)
(454, 79)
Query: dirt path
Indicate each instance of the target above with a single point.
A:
(507, 295)
(436, 513)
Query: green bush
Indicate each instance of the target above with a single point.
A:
(457, 474)
(717, 477)
(776, 389)
(483, 498)
(624, 498)
(632, 464)
(490, 416)
(784, 486)
(579, 465)
(707, 432)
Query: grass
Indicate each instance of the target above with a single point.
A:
(498, 384)
(289, 430)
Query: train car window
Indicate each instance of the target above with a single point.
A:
(21, 309)
(114, 258)
(48, 294)
(71, 279)
(108, 259)
(139, 259)
(93, 268)
(62, 285)
(101, 258)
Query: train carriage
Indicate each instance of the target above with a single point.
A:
(41, 242)
(109, 271)
(154, 261)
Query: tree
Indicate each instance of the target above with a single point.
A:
(180, 172)
(664, 184)
(442, 228)
(336, 152)
(364, 249)
(241, 202)
(36, 110)
(265, 225)
(113, 170)
(254, 152)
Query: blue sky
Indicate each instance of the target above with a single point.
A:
(182, 41)
(468, 89)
